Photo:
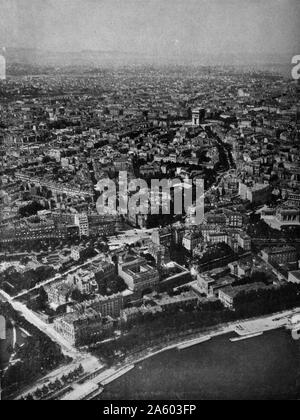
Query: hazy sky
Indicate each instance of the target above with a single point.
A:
(155, 27)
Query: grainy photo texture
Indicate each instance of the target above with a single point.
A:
(149, 202)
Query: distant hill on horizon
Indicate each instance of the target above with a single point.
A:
(26, 56)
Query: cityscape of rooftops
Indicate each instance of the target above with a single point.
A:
(194, 99)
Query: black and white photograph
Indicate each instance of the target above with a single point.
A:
(149, 203)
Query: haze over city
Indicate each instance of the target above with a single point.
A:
(180, 30)
(149, 202)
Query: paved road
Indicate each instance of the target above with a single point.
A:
(41, 325)
(89, 362)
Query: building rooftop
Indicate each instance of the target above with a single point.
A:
(233, 292)
(295, 274)
(88, 314)
(278, 250)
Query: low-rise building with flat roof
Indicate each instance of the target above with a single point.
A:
(280, 255)
(139, 276)
(228, 295)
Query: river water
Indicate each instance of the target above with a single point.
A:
(265, 367)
